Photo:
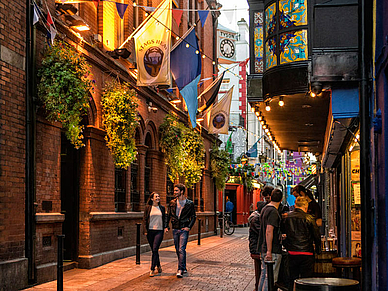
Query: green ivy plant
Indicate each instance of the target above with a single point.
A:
(63, 88)
(219, 163)
(120, 118)
(245, 173)
(184, 150)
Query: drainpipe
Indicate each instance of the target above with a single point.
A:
(367, 212)
(30, 161)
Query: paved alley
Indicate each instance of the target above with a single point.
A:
(217, 264)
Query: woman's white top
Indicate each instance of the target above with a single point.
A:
(156, 220)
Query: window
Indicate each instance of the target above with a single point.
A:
(147, 176)
(120, 190)
(135, 194)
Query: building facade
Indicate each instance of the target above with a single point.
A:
(48, 187)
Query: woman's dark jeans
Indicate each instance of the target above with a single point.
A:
(155, 238)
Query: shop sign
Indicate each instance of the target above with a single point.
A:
(355, 166)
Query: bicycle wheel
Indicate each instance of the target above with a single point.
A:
(228, 228)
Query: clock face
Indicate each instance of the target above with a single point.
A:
(227, 48)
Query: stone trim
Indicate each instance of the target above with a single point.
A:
(101, 216)
(49, 218)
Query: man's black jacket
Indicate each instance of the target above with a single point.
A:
(301, 231)
(254, 231)
(187, 217)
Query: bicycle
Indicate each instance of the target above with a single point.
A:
(228, 225)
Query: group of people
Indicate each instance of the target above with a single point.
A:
(273, 226)
(181, 213)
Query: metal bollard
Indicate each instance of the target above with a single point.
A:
(61, 239)
(199, 232)
(271, 283)
(221, 221)
(138, 243)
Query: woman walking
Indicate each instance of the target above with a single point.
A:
(154, 223)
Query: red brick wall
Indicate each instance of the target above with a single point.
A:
(96, 188)
(12, 130)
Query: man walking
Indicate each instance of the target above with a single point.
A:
(301, 231)
(270, 237)
(182, 214)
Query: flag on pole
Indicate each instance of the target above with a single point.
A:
(153, 44)
(219, 118)
(229, 145)
(36, 14)
(210, 94)
(186, 68)
(52, 28)
(252, 152)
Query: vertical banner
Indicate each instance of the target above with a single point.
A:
(219, 117)
(153, 44)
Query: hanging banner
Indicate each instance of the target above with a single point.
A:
(153, 44)
(219, 118)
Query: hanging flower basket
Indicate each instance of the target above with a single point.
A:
(184, 150)
(120, 118)
(63, 88)
(219, 162)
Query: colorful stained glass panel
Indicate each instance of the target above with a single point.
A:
(270, 53)
(258, 37)
(293, 46)
(292, 13)
(270, 19)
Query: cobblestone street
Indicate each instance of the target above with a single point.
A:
(217, 264)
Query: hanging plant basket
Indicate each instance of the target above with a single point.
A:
(120, 118)
(184, 150)
(63, 88)
(219, 162)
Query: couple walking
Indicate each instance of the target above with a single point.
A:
(181, 212)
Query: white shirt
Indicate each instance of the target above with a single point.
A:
(156, 219)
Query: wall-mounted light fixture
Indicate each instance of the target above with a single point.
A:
(117, 53)
(77, 23)
(316, 89)
(176, 101)
(151, 107)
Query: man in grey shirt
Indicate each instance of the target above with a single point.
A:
(182, 214)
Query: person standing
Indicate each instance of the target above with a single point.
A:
(229, 206)
(254, 232)
(270, 238)
(181, 212)
(154, 225)
(301, 232)
(314, 209)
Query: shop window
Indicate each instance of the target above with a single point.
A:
(135, 193)
(120, 190)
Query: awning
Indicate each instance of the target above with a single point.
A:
(344, 108)
(309, 181)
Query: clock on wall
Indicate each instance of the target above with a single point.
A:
(227, 48)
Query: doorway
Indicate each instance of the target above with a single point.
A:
(70, 197)
(231, 194)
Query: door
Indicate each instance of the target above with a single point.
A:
(69, 197)
(231, 194)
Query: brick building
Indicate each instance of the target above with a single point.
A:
(46, 186)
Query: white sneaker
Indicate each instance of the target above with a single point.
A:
(152, 273)
(179, 274)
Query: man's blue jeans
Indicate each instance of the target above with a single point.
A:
(263, 284)
(180, 241)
